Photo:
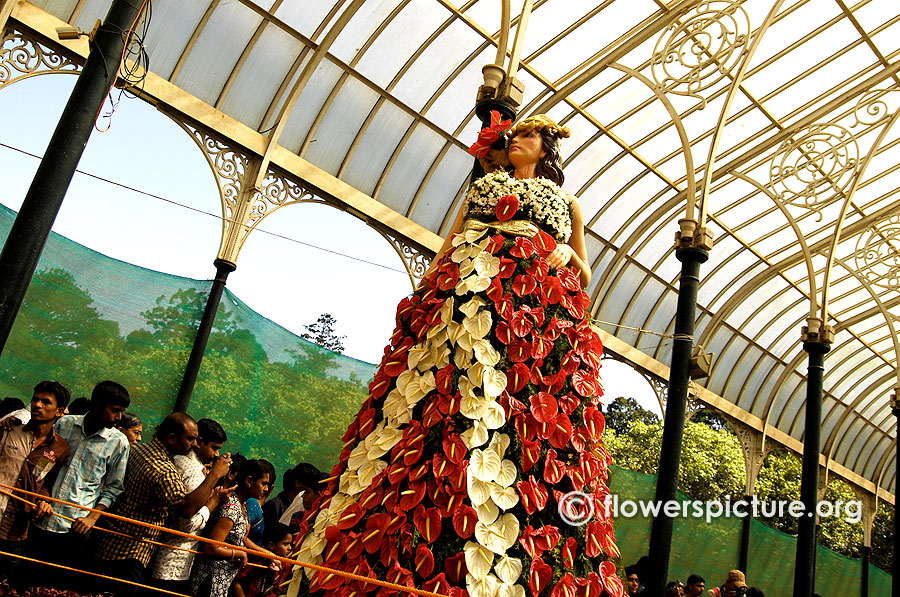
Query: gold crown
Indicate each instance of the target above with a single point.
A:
(541, 122)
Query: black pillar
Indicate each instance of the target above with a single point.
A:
(744, 557)
(29, 232)
(223, 268)
(805, 564)
(673, 428)
(483, 112)
(864, 582)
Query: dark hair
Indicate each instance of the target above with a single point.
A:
(273, 474)
(275, 532)
(251, 469)
(80, 406)
(59, 391)
(109, 393)
(237, 461)
(173, 424)
(629, 570)
(211, 431)
(9, 404)
(308, 476)
(694, 579)
(129, 421)
(550, 166)
(754, 592)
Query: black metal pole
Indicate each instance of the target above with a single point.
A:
(223, 268)
(29, 232)
(673, 428)
(483, 111)
(744, 557)
(864, 583)
(805, 564)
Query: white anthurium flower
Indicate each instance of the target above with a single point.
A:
(415, 354)
(462, 357)
(464, 286)
(499, 443)
(507, 475)
(466, 267)
(485, 353)
(473, 236)
(494, 416)
(419, 387)
(494, 382)
(473, 407)
(369, 471)
(475, 436)
(358, 456)
(466, 387)
(484, 465)
(480, 283)
(472, 306)
(403, 380)
(504, 497)
(482, 587)
(382, 440)
(464, 340)
(394, 404)
(478, 326)
(487, 512)
(479, 491)
(476, 374)
(486, 264)
(478, 559)
(453, 331)
(500, 535)
(510, 590)
(508, 569)
(437, 334)
(458, 239)
(443, 356)
(350, 483)
(313, 545)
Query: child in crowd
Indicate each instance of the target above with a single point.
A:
(253, 581)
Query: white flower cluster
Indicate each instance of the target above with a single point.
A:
(540, 201)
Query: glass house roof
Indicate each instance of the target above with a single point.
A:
(771, 120)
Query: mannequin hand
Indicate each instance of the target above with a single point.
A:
(560, 256)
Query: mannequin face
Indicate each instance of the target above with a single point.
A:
(526, 148)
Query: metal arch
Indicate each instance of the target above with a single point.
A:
(54, 61)
(881, 468)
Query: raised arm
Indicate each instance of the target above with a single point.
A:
(573, 254)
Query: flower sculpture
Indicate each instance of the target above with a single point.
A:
(489, 135)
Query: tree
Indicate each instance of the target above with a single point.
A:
(837, 533)
(711, 419)
(322, 333)
(779, 480)
(622, 412)
(883, 537)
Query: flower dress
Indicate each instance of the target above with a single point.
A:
(214, 574)
(481, 425)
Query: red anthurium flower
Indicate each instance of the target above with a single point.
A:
(519, 350)
(576, 474)
(569, 363)
(389, 553)
(438, 585)
(503, 332)
(546, 537)
(507, 206)
(373, 536)
(595, 584)
(522, 285)
(565, 587)
(457, 592)
(455, 567)
(531, 451)
(432, 415)
(538, 269)
(371, 497)
(544, 244)
(562, 433)
(378, 386)
(454, 448)
(457, 478)
(441, 466)
(513, 405)
(424, 560)
(411, 497)
(494, 291)
(533, 495)
(449, 403)
(464, 520)
(526, 426)
(428, 522)
(539, 576)
(583, 587)
(413, 454)
(568, 402)
(455, 500)
(391, 495)
(540, 346)
(544, 407)
(397, 472)
(579, 439)
(366, 422)
(584, 382)
(594, 538)
(398, 518)
(522, 249)
(569, 279)
(399, 575)
(354, 545)
(517, 377)
(495, 244)
(554, 470)
(448, 280)
(489, 134)
(443, 380)
(507, 268)
(350, 517)
(505, 307)
(327, 581)
(594, 422)
(569, 549)
(336, 545)
(521, 323)
(552, 289)
(611, 580)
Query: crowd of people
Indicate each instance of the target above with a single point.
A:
(81, 491)
(735, 584)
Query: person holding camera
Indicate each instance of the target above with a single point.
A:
(735, 584)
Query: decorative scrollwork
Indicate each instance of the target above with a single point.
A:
(277, 191)
(22, 56)
(701, 49)
(414, 260)
(815, 167)
(872, 108)
(877, 256)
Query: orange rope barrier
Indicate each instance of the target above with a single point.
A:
(127, 582)
(331, 571)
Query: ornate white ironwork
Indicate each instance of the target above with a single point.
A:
(701, 49)
(815, 167)
(21, 56)
(873, 108)
(877, 256)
